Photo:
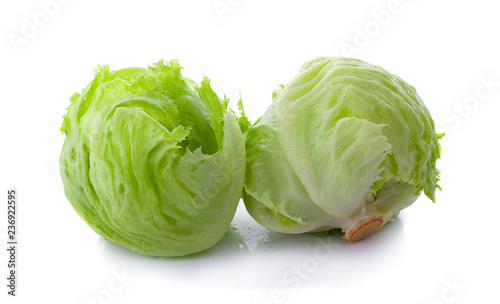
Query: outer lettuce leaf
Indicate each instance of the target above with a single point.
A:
(394, 196)
(340, 171)
(273, 192)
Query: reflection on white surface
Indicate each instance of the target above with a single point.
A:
(252, 235)
(249, 257)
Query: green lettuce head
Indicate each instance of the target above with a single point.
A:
(152, 161)
(346, 145)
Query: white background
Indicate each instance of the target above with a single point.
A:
(446, 49)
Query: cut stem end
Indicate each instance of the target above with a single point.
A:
(364, 228)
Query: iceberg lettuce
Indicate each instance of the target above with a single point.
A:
(152, 161)
(345, 144)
